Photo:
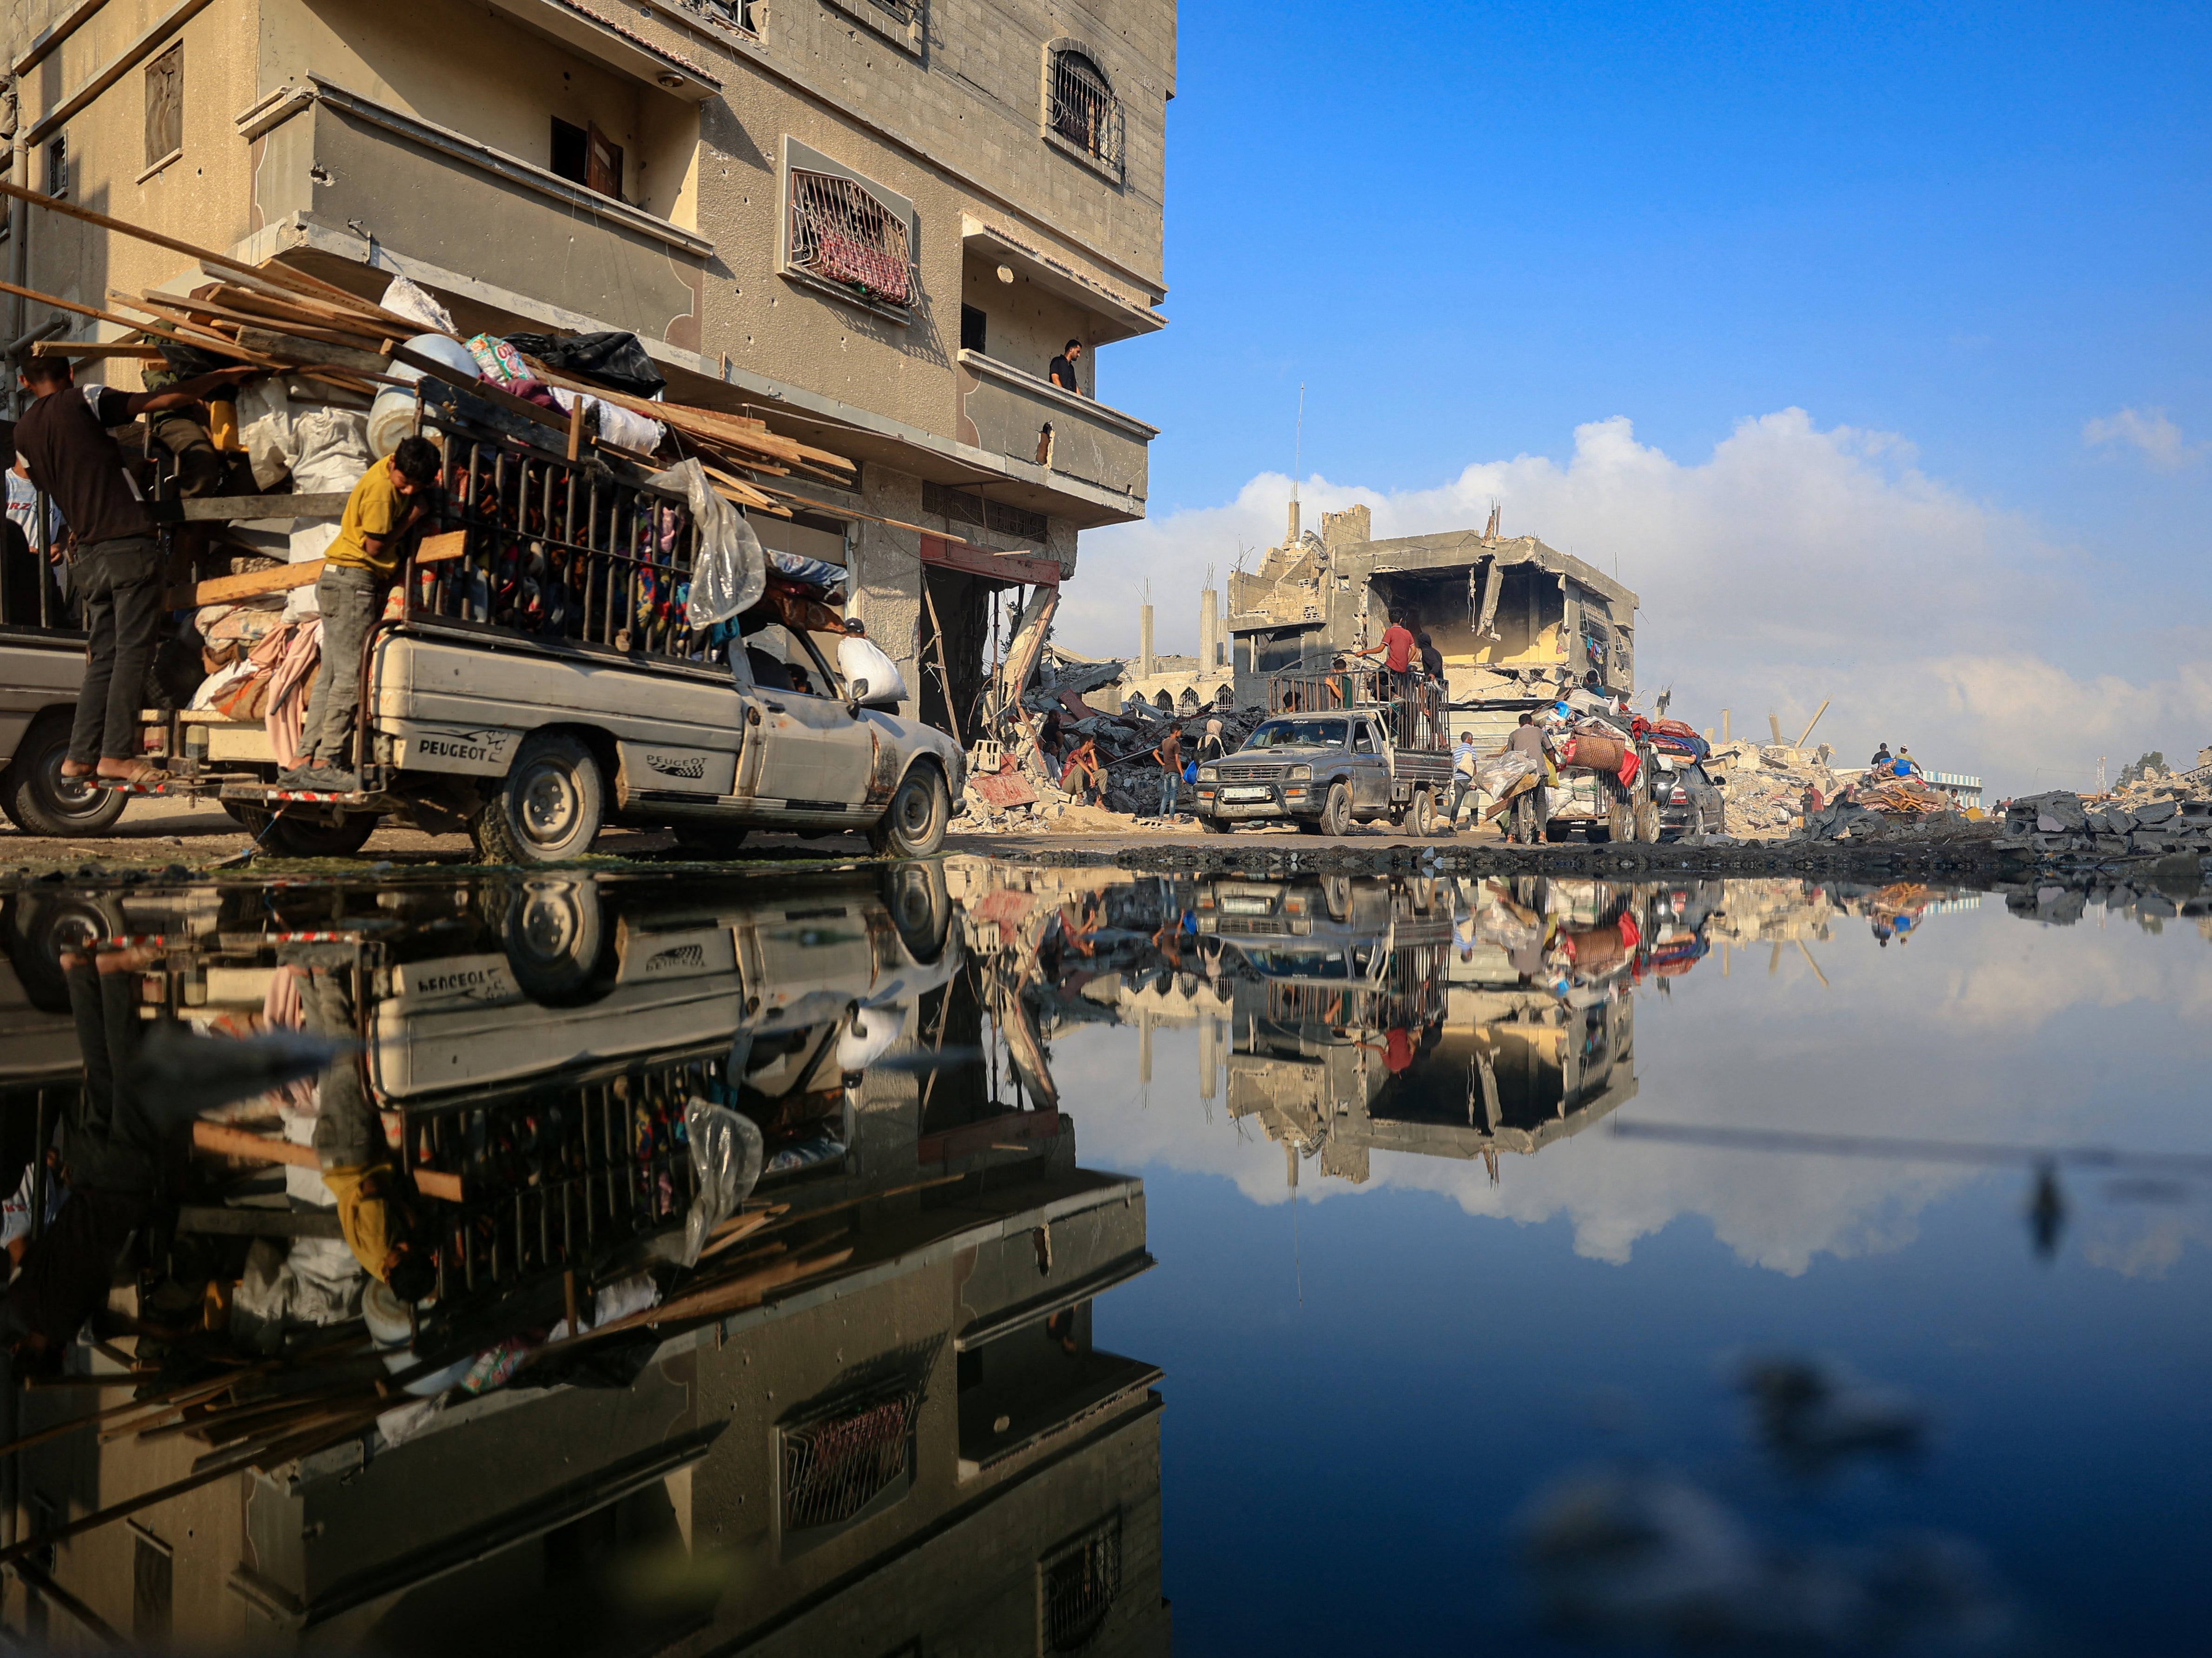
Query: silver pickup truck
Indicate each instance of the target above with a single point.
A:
(1325, 772)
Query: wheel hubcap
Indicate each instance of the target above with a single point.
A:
(74, 795)
(549, 806)
(547, 926)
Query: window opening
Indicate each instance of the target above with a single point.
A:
(838, 1462)
(153, 1578)
(974, 329)
(569, 148)
(57, 176)
(164, 105)
(840, 231)
(1084, 109)
(1080, 1583)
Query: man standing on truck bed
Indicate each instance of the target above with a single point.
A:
(64, 439)
(357, 571)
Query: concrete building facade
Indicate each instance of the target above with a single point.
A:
(871, 222)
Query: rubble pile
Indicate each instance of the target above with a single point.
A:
(2062, 825)
(1022, 795)
(1766, 785)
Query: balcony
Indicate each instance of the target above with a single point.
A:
(343, 174)
(1012, 412)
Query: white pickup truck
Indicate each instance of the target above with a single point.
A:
(538, 679)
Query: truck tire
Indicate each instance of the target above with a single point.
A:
(38, 799)
(1336, 811)
(1216, 825)
(1423, 815)
(920, 909)
(283, 835)
(913, 825)
(550, 807)
(1619, 823)
(556, 939)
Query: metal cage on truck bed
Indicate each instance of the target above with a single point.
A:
(565, 553)
(1413, 708)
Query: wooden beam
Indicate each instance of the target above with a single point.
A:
(263, 1148)
(313, 351)
(194, 509)
(1814, 721)
(435, 549)
(225, 589)
(1009, 568)
(77, 349)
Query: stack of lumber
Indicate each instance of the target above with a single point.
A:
(275, 317)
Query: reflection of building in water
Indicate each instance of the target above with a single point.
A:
(912, 1444)
(1367, 1017)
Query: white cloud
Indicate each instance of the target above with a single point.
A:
(1792, 564)
(2149, 430)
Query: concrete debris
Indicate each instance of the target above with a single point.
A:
(2062, 825)
(1766, 786)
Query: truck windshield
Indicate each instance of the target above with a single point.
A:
(1298, 734)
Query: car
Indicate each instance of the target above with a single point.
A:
(1691, 801)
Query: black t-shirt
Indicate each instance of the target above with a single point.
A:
(63, 436)
(1063, 375)
(1432, 661)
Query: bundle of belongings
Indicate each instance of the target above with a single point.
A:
(1670, 737)
(1590, 742)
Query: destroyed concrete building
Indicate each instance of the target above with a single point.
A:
(1517, 620)
(871, 227)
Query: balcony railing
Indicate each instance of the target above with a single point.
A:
(1020, 415)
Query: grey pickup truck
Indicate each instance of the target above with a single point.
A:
(1326, 772)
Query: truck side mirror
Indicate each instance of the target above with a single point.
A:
(854, 690)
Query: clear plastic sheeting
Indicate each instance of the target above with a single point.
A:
(1501, 773)
(405, 299)
(729, 573)
(726, 1156)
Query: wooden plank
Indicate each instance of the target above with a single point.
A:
(75, 349)
(311, 351)
(224, 509)
(435, 549)
(1009, 568)
(226, 589)
(154, 329)
(361, 339)
(259, 1222)
(263, 1148)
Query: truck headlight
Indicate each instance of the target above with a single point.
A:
(1300, 774)
(1206, 774)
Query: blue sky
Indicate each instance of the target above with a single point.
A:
(1972, 240)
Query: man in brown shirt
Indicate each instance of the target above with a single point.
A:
(64, 441)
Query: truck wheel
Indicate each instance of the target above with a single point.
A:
(1216, 825)
(920, 909)
(40, 800)
(549, 809)
(1336, 813)
(1423, 814)
(1647, 820)
(556, 940)
(1619, 821)
(284, 836)
(1524, 817)
(913, 826)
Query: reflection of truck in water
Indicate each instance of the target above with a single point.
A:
(1378, 1016)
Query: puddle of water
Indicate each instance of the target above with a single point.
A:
(1045, 1259)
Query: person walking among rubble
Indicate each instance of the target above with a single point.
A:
(1466, 775)
(1169, 755)
(117, 569)
(357, 571)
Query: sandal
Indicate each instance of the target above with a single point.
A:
(143, 778)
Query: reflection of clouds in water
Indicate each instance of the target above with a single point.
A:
(1975, 1037)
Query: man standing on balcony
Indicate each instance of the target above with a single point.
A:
(1063, 368)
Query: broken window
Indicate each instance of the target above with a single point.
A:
(58, 180)
(165, 106)
(1082, 108)
(973, 326)
(569, 144)
(842, 232)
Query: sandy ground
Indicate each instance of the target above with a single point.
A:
(154, 833)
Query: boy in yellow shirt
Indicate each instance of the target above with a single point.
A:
(357, 571)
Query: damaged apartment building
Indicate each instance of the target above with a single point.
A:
(1518, 622)
(874, 224)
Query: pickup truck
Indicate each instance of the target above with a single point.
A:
(1342, 746)
(534, 678)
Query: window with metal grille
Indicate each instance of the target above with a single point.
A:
(843, 233)
(836, 1463)
(1078, 1583)
(1083, 109)
(958, 506)
(58, 167)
